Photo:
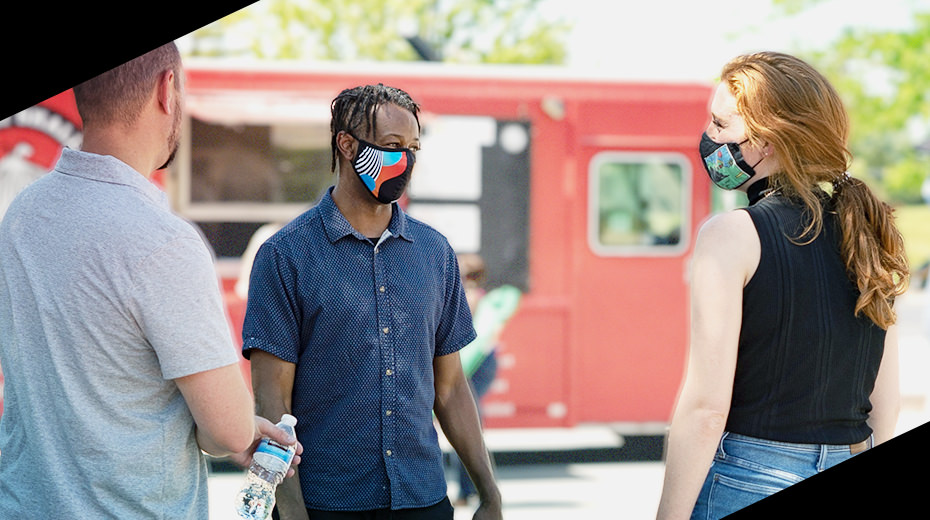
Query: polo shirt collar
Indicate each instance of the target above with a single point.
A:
(109, 169)
(337, 227)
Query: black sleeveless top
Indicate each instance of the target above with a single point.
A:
(806, 365)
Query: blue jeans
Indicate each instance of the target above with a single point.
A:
(746, 470)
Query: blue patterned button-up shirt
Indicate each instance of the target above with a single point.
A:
(362, 319)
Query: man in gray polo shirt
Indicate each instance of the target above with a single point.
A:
(118, 360)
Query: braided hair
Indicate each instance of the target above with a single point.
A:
(354, 109)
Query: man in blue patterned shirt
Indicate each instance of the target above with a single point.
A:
(354, 321)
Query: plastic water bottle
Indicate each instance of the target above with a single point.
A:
(269, 466)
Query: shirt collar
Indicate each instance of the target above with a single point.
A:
(758, 190)
(337, 227)
(109, 169)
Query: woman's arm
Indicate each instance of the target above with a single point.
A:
(886, 395)
(726, 254)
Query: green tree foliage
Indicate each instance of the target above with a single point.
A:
(885, 82)
(884, 76)
(456, 31)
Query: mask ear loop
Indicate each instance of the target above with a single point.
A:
(764, 153)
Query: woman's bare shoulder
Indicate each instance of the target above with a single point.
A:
(727, 227)
(730, 239)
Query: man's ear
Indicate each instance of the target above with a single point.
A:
(166, 90)
(347, 146)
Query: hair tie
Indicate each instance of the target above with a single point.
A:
(841, 181)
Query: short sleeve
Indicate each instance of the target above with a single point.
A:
(456, 328)
(179, 308)
(272, 316)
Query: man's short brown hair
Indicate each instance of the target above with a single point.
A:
(118, 95)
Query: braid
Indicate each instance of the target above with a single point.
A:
(354, 110)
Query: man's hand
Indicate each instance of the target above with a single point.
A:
(489, 511)
(266, 428)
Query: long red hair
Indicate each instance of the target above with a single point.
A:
(788, 104)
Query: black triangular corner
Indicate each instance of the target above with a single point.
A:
(59, 48)
(884, 482)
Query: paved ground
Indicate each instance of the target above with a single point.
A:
(535, 491)
(551, 486)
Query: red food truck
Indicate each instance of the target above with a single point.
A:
(584, 192)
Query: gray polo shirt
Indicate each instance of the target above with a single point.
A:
(105, 298)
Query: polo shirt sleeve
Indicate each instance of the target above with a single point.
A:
(272, 316)
(180, 310)
(455, 328)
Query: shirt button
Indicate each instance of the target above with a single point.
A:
(381, 288)
(388, 453)
(386, 330)
(389, 372)
(388, 412)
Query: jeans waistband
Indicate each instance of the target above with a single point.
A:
(858, 447)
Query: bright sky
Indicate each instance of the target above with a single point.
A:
(692, 39)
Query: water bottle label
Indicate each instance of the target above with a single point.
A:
(269, 447)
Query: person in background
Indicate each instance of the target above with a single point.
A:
(353, 324)
(120, 368)
(793, 362)
(241, 288)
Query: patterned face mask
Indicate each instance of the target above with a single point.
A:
(385, 172)
(725, 164)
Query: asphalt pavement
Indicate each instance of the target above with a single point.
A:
(593, 472)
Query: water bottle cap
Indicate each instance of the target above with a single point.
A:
(289, 419)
